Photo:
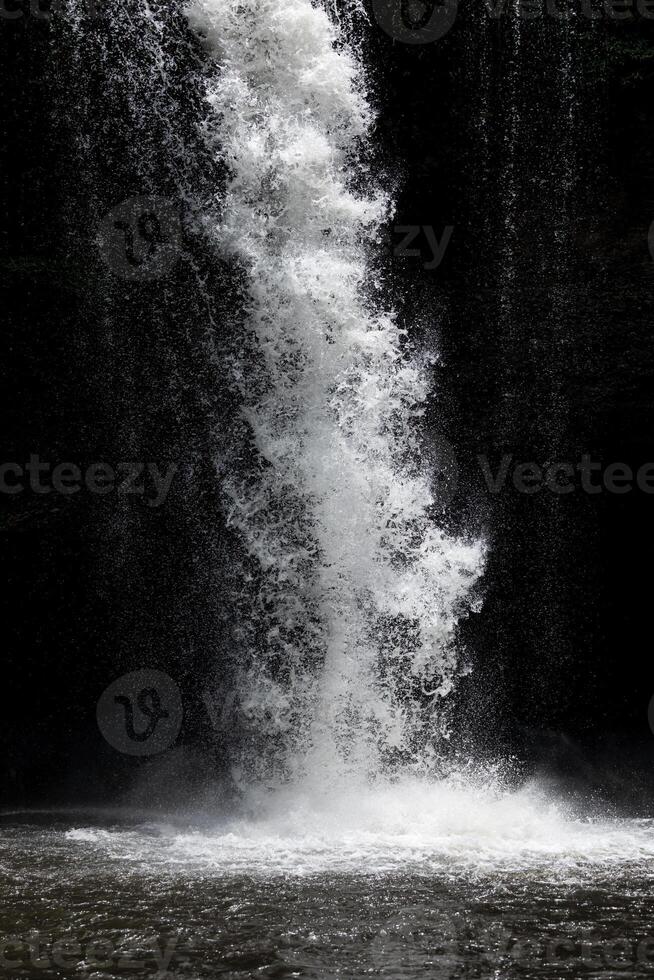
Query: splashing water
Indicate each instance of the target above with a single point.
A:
(350, 594)
(358, 592)
(454, 828)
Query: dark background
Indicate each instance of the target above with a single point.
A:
(539, 154)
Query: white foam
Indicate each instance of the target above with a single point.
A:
(430, 828)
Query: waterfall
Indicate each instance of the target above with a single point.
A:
(349, 647)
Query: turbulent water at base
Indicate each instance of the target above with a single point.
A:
(405, 882)
(349, 646)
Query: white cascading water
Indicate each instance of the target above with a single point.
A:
(359, 592)
(350, 592)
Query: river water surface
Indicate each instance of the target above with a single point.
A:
(400, 881)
